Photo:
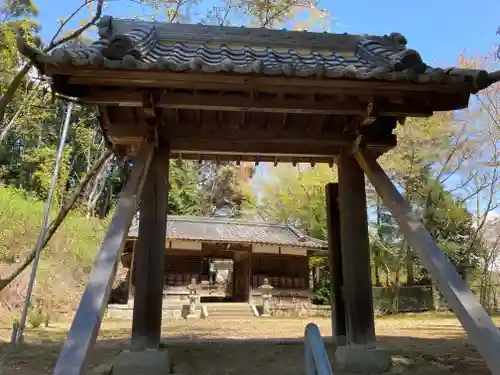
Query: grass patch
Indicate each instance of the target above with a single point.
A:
(71, 252)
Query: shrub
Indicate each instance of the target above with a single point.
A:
(71, 252)
(36, 317)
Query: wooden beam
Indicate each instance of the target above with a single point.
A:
(131, 280)
(283, 158)
(125, 134)
(192, 132)
(356, 266)
(110, 96)
(260, 147)
(162, 79)
(236, 102)
(150, 253)
(87, 321)
(339, 328)
(303, 103)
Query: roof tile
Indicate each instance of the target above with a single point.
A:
(132, 44)
(233, 230)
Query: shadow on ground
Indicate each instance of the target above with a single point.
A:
(201, 355)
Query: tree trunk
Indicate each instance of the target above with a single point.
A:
(436, 299)
(12, 88)
(395, 298)
(376, 273)
(65, 209)
(410, 278)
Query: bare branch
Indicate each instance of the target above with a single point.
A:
(65, 22)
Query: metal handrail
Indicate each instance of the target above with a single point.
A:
(316, 358)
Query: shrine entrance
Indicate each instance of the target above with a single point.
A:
(242, 275)
(226, 279)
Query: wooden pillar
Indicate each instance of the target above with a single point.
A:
(355, 252)
(249, 278)
(335, 262)
(150, 254)
(131, 281)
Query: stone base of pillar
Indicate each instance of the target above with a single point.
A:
(192, 316)
(362, 359)
(151, 362)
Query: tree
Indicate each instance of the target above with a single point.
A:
(184, 197)
(489, 260)
(18, 78)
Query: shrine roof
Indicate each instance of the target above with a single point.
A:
(142, 45)
(220, 229)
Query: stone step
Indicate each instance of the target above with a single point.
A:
(226, 310)
(229, 310)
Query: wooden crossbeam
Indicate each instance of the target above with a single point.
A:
(168, 79)
(331, 105)
(339, 105)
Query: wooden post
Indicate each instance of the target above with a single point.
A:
(131, 281)
(249, 278)
(335, 262)
(150, 254)
(355, 252)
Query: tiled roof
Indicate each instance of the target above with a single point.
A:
(233, 231)
(132, 44)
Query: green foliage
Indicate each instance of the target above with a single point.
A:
(36, 317)
(12, 9)
(451, 225)
(14, 15)
(223, 189)
(40, 162)
(297, 196)
(184, 198)
(75, 244)
(321, 292)
(71, 252)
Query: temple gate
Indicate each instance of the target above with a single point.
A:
(226, 93)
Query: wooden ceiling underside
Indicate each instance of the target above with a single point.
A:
(246, 136)
(223, 117)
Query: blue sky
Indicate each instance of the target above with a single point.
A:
(440, 30)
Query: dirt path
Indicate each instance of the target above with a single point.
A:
(435, 345)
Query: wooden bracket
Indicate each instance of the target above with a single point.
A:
(152, 117)
(371, 113)
(358, 144)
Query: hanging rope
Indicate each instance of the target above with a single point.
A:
(18, 334)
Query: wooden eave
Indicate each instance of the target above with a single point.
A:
(81, 82)
(250, 117)
(237, 101)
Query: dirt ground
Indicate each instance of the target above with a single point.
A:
(428, 344)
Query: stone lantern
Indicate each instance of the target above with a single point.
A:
(266, 290)
(193, 296)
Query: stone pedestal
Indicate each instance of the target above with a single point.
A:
(150, 362)
(266, 297)
(362, 359)
(193, 296)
